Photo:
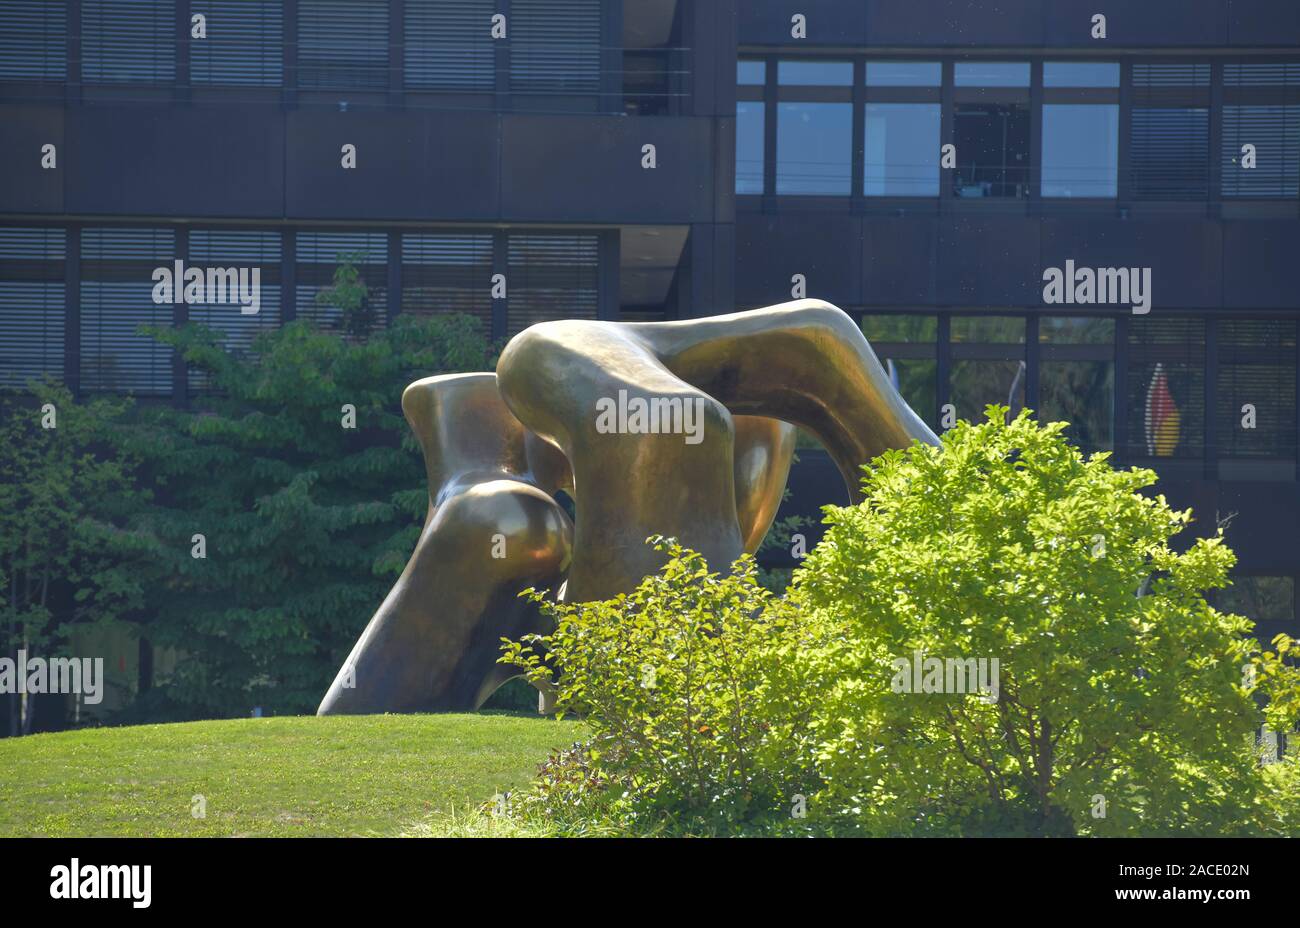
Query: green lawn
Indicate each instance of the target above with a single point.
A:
(360, 775)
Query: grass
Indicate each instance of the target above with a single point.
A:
(295, 776)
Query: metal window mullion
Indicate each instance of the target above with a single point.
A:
(1032, 351)
(1210, 386)
(72, 309)
(943, 365)
(500, 265)
(769, 133)
(857, 163)
(180, 316)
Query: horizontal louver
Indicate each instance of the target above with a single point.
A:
(1274, 131)
(243, 44)
(1262, 74)
(449, 273)
(552, 276)
(319, 255)
(33, 40)
(31, 304)
(449, 45)
(1165, 400)
(343, 44)
(238, 250)
(117, 285)
(1257, 369)
(555, 46)
(1170, 153)
(1171, 74)
(128, 40)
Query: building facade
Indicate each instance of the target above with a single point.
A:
(928, 165)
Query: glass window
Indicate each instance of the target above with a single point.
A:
(1274, 131)
(815, 73)
(31, 304)
(1165, 401)
(1170, 153)
(902, 150)
(749, 147)
(988, 364)
(446, 46)
(1256, 390)
(1080, 74)
(1076, 378)
(814, 147)
(905, 345)
(1080, 150)
(992, 150)
(1263, 599)
(991, 74)
(903, 74)
(751, 72)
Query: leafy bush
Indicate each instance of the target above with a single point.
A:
(307, 522)
(1124, 702)
(697, 710)
(67, 554)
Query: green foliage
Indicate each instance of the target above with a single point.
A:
(350, 295)
(1122, 703)
(1008, 544)
(307, 522)
(697, 711)
(67, 554)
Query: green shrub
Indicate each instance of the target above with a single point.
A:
(698, 712)
(1124, 703)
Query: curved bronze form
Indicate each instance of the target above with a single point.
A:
(683, 429)
(806, 363)
(493, 530)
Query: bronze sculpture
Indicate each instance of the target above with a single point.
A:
(684, 429)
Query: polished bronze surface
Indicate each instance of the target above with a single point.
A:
(684, 429)
(493, 529)
(805, 363)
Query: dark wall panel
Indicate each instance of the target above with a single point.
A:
(1145, 23)
(825, 248)
(588, 168)
(1259, 257)
(26, 187)
(410, 165)
(988, 261)
(898, 261)
(954, 22)
(175, 161)
(830, 22)
(1183, 255)
(1264, 22)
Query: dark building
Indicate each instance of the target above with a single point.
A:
(925, 164)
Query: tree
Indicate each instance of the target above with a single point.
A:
(68, 555)
(302, 477)
(1111, 713)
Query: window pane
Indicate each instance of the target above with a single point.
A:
(751, 72)
(1081, 393)
(1171, 153)
(1274, 131)
(446, 46)
(817, 73)
(903, 74)
(1075, 330)
(1264, 599)
(992, 150)
(917, 381)
(996, 330)
(1256, 390)
(1080, 150)
(900, 328)
(1080, 74)
(814, 148)
(977, 384)
(991, 74)
(749, 147)
(31, 304)
(902, 150)
(1165, 401)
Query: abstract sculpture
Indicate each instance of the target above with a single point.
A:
(684, 429)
